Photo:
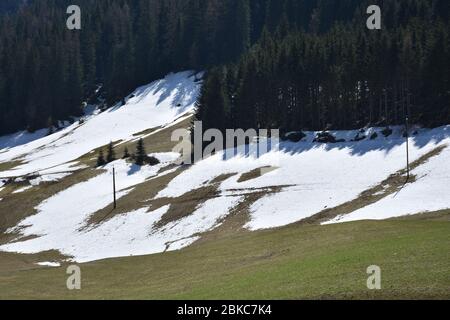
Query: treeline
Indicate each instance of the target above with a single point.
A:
(306, 78)
(9, 6)
(314, 53)
(47, 71)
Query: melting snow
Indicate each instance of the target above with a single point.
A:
(308, 177)
(314, 177)
(128, 234)
(23, 189)
(429, 193)
(49, 264)
(151, 106)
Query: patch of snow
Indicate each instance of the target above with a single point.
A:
(49, 264)
(48, 178)
(312, 177)
(20, 138)
(381, 192)
(23, 189)
(165, 127)
(73, 206)
(150, 106)
(128, 234)
(68, 167)
(166, 157)
(133, 233)
(427, 194)
(180, 244)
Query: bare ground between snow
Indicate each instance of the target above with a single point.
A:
(143, 195)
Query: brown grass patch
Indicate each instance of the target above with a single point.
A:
(255, 173)
(4, 166)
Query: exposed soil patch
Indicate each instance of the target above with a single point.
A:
(138, 198)
(180, 207)
(234, 222)
(5, 166)
(13, 262)
(185, 205)
(255, 174)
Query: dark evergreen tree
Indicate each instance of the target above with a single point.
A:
(101, 159)
(111, 155)
(336, 75)
(141, 154)
(288, 63)
(126, 153)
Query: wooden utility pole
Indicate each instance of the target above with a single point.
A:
(407, 148)
(114, 187)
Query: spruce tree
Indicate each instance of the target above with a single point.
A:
(111, 156)
(141, 155)
(126, 154)
(101, 159)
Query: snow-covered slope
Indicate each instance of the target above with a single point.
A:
(297, 181)
(154, 105)
(428, 194)
(62, 221)
(314, 177)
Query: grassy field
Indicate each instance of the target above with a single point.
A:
(295, 262)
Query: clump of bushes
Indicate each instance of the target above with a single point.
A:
(387, 132)
(141, 158)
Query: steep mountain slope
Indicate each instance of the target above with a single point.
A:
(151, 106)
(168, 207)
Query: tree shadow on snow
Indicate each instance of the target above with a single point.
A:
(179, 85)
(358, 148)
(133, 169)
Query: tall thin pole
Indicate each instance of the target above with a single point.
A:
(407, 148)
(114, 187)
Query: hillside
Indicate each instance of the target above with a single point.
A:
(54, 199)
(225, 149)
